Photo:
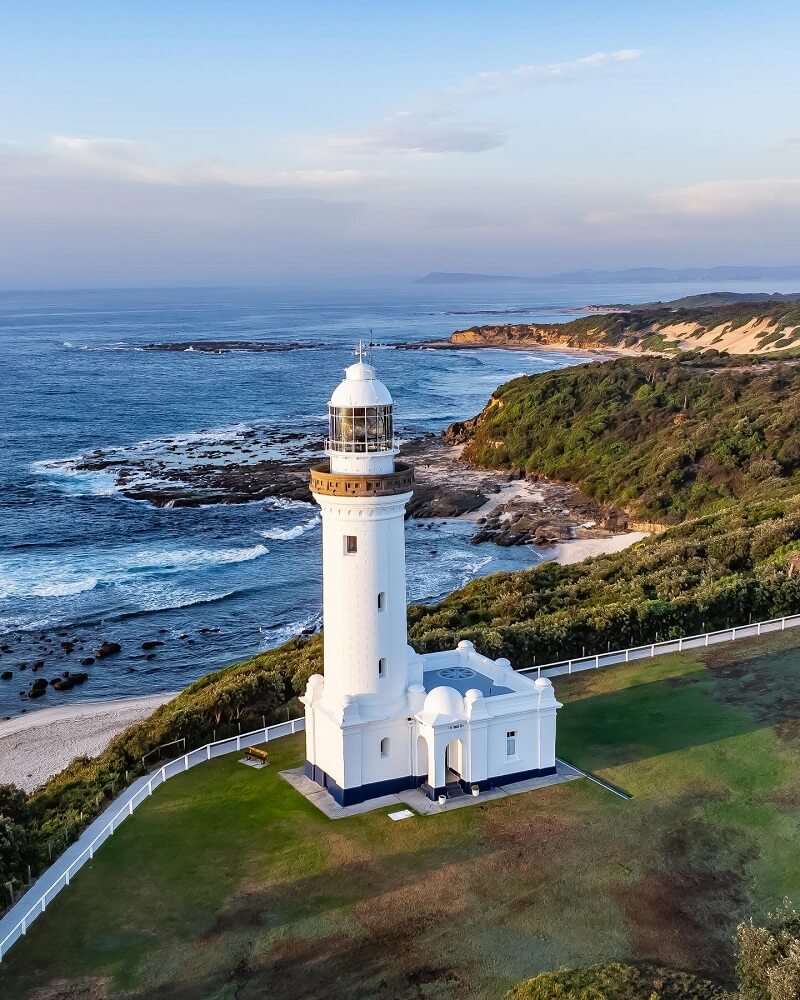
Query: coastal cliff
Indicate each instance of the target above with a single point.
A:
(662, 438)
(736, 328)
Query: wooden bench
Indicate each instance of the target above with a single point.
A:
(262, 756)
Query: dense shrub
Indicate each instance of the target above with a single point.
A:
(17, 845)
(614, 981)
(664, 439)
(709, 573)
(768, 962)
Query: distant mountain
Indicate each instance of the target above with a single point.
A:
(464, 278)
(704, 300)
(790, 272)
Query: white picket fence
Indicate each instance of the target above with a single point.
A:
(35, 901)
(44, 890)
(596, 660)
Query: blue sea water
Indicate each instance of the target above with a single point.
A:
(76, 557)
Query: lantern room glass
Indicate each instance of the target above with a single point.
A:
(360, 428)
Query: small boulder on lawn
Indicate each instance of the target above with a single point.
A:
(107, 649)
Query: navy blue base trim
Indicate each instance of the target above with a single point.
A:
(488, 783)
(508, 779)
(352, 796)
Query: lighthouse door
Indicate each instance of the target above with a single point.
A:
(453, 760)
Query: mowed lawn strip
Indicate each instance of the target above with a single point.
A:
(227, 883)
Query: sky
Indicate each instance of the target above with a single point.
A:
(261, 141)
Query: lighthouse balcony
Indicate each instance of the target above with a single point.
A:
(347, 484)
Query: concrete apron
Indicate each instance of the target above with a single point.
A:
(415, 798)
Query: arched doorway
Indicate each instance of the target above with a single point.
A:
(453, 761)
(421, 772)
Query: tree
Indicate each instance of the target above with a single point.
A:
(16, 840)
(768, 962)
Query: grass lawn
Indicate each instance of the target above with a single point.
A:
(228, 884)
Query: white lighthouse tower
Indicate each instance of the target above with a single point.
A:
(375, 724)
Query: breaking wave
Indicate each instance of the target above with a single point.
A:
(285, 534)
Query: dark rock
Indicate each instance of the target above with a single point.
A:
(150, 656)
(6, 675)
(67, 646)
(107, 649)
(38, 664)
(87, 661)
(152, 644)
(63, 683)
(22, 666)
(36, 692)
(39, 684)
(79, 678)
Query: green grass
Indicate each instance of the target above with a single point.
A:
(228, 884)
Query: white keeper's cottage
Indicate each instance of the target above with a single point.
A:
(384, 718)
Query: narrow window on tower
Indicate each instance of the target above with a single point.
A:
(350, 544)
(511, 743)
(382, 667)
(385, 746)
(381, 601)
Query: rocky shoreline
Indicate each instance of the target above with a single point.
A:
(229, 346)
(506, 508)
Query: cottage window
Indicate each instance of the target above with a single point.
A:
(511, 743)
(385, 746)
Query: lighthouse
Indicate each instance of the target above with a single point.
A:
(385, 719)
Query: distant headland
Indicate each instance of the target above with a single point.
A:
(789, 272)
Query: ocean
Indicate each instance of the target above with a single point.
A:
(81, 563)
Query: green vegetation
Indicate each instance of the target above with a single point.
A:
(615, 981)
(228, 884)
(614, 429)
(768, 963)
(709, 573)
(221, 704)
(664, 439)
(654, 326)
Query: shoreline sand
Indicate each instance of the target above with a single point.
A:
(37, 745)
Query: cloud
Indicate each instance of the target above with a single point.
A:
(708, 200)
(730, 197)
(497, 81)
(420, 132)
(125, 160)
(120, 158)
(435, 128)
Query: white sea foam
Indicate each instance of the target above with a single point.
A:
(133, 569)
(180, 559)
(285, 534)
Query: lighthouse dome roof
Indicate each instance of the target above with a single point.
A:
(361, 387)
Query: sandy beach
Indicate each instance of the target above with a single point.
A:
(35, 746)
(577, 549)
